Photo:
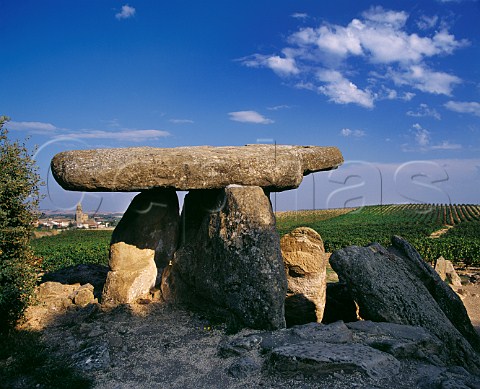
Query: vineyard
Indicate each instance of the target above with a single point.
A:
(339, 228)
(414, 222)
(72, 247)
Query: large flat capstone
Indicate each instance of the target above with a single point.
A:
(272, 167)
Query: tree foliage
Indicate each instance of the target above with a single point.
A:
(19, 184)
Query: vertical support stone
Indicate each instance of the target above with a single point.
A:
(230, 263)
(305, 265)
(145, 239)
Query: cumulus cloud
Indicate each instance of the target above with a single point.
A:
(283, 66)
(341, 90)
(249, 117)
(426, 80)
(464, 107)
(126, 12)
(389, 54)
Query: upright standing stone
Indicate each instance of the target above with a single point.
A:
(448, 301)
(146, 237)
(229, 262)
(305, 265)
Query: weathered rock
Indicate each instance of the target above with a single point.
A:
(401, 341)
(448, 301)
(317, 358)
(84, 296)
(305, 265)
(229, 263)
(339, 304)
(133, 274)
(312, 332)
(441, 267)
(93, 274)
(186, 168)
(152, 222)
(451, 275)
(144, 239)
(387, 290)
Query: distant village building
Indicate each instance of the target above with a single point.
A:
(80, 217)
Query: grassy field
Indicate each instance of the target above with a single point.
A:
(338, 228)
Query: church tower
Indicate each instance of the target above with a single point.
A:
(80, 217)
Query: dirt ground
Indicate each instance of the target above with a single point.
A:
(154, 345)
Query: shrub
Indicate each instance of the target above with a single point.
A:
(18, 205)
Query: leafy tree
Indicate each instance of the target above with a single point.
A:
(19, 184)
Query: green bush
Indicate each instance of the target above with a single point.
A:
(18, 204)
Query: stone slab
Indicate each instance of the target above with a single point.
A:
(272, 167)
(318, 358)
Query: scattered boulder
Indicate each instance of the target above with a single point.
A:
(274, 167)
(387, 290)
(93, 274)
(447, 272)
(305, 265)
(84, 296)
(441, 268)
(229, 262)
(452, 277)
(54, 299)
(132, 274)
(448, 301)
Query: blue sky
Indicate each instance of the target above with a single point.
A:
(394, 84)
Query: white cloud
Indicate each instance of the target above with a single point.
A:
(423, 111)
(423, 141)
(379, 15)
(464, 107)
(342, 91)
(249, 117)
(123, 135)
(427, 22)
(282, 66)
(181, 121)
(355, 133)
(381, 38)
(126, 12)
(422, 136)
(426, 80)
(33, 127)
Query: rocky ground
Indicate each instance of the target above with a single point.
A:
(154, 345)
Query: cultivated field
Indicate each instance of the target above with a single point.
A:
(339, 228)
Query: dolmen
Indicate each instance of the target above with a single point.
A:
(222, 254)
